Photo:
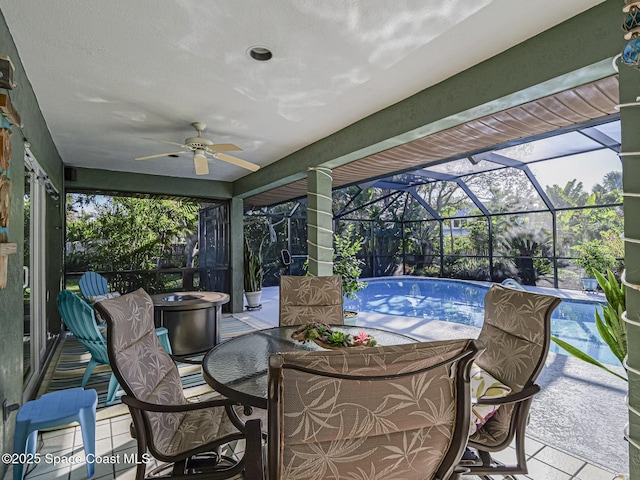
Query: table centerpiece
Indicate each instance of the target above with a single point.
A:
(326, 337)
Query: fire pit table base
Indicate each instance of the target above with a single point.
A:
(192, 319)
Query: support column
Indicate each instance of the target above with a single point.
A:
(320, 221)
(236, 255)
(630, 154)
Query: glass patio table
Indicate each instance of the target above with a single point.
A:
(238, 368)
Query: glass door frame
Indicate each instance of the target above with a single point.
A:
(39, 186)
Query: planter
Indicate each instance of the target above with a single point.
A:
(590, 284)
(350, 317)
(322, 335)
(253, 298)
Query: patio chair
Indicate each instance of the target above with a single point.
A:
(311, 299)
(79, 318)
(92, 284)
(516, 335)
(394, 412)
(190, 436)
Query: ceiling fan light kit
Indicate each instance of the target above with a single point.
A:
(200, 162)
(201, 147)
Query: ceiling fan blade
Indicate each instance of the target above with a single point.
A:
(174, 143)
(201, 164)
(165, 141)
(159, 155)
(237, 161)
(224, 147)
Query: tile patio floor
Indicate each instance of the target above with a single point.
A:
(114, 441)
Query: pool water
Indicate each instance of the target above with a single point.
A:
(462, 302)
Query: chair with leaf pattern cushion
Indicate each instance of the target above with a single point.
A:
(311, 299)
(516, 335)
(166, 424)
(389, 412)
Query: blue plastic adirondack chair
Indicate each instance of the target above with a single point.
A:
(92, 284)
(79, 318)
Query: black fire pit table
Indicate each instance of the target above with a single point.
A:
(192, 319)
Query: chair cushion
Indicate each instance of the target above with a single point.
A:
(515, 334)
(311, 299)
(196, 428)
(148, 372)
(338, 428)
(484, 387)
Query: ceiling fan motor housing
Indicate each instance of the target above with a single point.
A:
(198, 142)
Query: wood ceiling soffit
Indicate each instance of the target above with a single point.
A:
(601, 95)
(506, 123)
(567, 113)
(580, 105)
(598, 98)
(477, 129)
(469, 137)
(563, 109)
(527, 120)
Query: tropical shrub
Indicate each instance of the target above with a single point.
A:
(594, 258)
(610, 324)
(253, 272)
(346, 264)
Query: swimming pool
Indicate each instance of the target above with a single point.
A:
(462, 302)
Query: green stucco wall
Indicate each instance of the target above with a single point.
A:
(96, 180)
(630, 120)
(34, 131)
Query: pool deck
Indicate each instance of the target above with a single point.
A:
(577, 421)
(576, 295)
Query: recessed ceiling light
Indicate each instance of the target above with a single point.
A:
(262, 54)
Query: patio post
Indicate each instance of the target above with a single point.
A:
(630, 155)
(236, 256)
(320, 221)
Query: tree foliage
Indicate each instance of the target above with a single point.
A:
(127, 233)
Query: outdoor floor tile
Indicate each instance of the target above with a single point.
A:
(123, 442)
(541, 471)
(57, 467)
(56, 444)
(560, 460)
(126, 474)
(121, 426)
(50, 474)
(102, 431)
(103, 447)
(532, 446)
(80, 472)
(57, 433)
(506, 456)
(126, 459)
(591, 472)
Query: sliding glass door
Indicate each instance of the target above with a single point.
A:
(35, 321)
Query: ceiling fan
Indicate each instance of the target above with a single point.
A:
(201, 147)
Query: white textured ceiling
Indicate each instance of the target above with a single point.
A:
(113, 78)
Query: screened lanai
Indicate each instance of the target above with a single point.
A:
(531, 211)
